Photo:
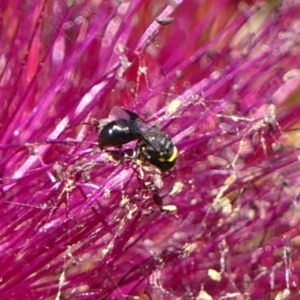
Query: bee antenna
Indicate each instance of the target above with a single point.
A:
(83, 123)
(93, 122)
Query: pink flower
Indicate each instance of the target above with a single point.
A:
(221, 79)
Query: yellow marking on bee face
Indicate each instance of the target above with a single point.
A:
(171, 158)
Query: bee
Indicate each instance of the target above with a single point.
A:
(152, 145)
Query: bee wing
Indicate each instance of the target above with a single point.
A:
(152, 136)
(119, 112)
(136, 123)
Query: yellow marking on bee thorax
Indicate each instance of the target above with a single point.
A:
(171, 158)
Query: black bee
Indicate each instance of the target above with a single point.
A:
(153, 145)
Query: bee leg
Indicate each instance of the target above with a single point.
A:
(142, 153)
(126, 154)
(116, 154)
(130, 154)
(158, 199)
